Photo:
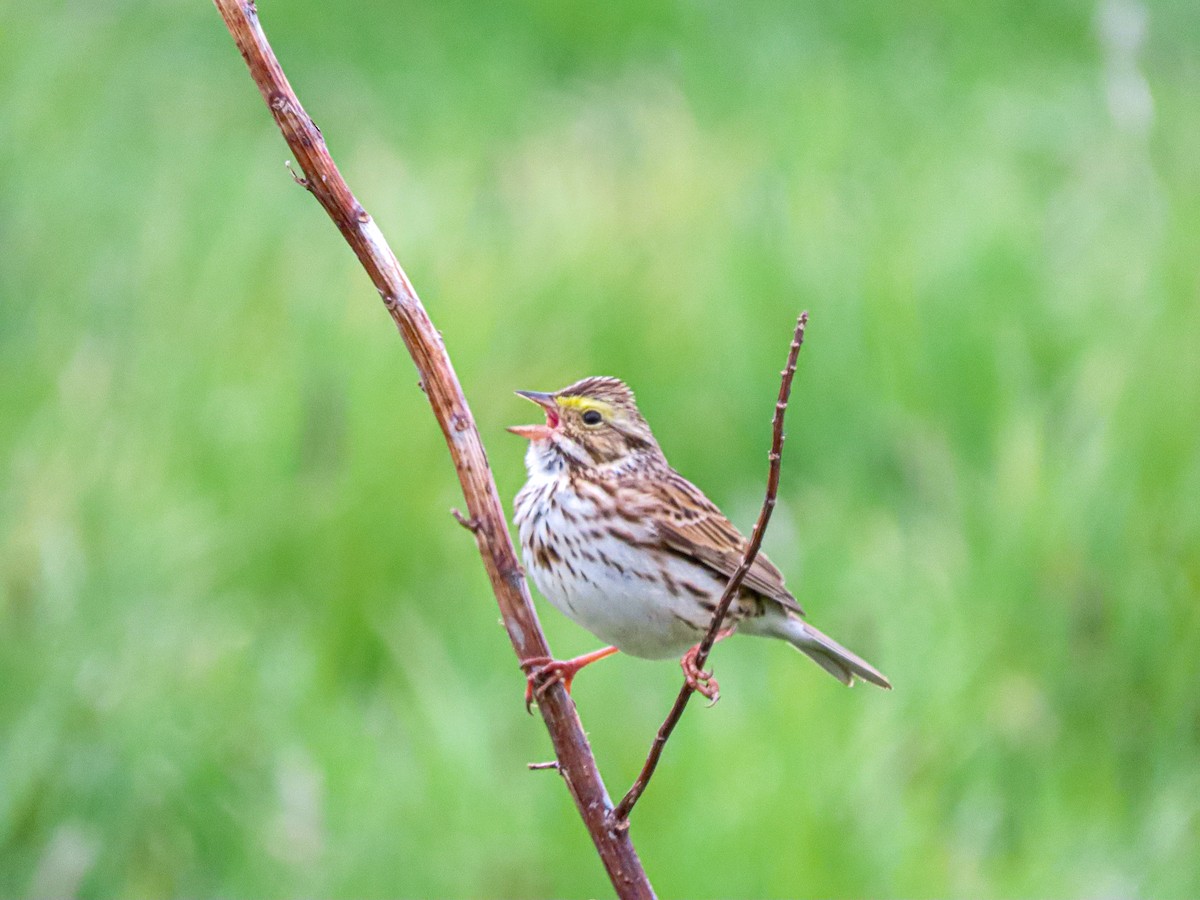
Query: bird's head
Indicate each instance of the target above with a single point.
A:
(590, 423)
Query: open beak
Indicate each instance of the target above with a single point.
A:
(538, 432)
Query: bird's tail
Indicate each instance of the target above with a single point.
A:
(829, 654)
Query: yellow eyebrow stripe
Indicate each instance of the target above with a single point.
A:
(585, 403)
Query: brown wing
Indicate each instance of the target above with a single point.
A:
(689, 523)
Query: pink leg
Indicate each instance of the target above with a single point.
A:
(698, 679)
(542, 671)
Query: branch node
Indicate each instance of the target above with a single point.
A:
(617, 824)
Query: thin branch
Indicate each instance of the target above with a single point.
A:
(485, 514)
(621, 813)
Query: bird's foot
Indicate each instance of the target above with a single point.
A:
(698, 679)
(541, 672)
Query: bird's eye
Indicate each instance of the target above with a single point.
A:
(592, 417)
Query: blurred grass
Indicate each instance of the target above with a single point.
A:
(245, 651)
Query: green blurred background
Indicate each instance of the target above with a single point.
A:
(245, 651)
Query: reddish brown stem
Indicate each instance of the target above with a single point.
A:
(621, 813)
(485, 516)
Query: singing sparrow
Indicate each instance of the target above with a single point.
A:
(635, 553)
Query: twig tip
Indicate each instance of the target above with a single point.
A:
(299, 179)
(471, 524)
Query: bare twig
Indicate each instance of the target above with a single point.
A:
(440, 384)
(621, 813)
(299, 179)
(471, 524)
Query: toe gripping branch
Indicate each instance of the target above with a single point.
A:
(540, 673)
(699, 680)
(543, 671)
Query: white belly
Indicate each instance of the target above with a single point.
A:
(615, 590)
